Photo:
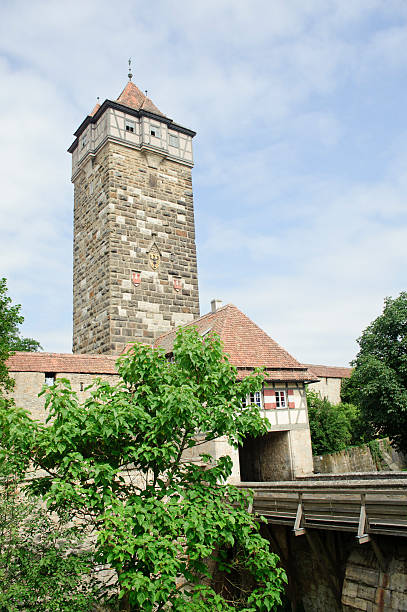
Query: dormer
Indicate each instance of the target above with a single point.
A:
(134, 121)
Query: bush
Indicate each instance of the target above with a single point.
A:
(333, 427)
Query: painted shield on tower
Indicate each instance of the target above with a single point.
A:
(177, 284)
(136, 278)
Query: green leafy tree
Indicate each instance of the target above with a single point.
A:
(128, 461)
(333, 426)
(10, 339)
(44, 565)
(379, 379)
(38, 568)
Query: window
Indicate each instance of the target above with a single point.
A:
(130, 126)
(253, 398)
(81, 386)
(155, 131)
(173, 139)
(50, 378)
(281, 401)
(84, 141)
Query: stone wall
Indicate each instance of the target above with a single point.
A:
(135, 269)
(330, 571)
(376, 457)
(30, 384)
(375, 586)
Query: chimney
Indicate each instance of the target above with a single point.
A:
(215, 305)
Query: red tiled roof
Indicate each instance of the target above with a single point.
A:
(329, 371)
(62, 363)
(281, 375)
(247, 344)
(132, 96)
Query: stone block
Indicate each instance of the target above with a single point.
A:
(350, 588)
(362, 574)
(399, 601)
(398, 582)
(349, 602)
(366, 592)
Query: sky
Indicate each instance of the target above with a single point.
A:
(300, 176)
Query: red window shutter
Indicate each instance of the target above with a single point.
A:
(269, 393)
(291, 404)
(290, 392)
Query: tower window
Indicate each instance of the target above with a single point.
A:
(155, 131)
(173, 140)
(130, 126)
(84, 141)
(50, 378)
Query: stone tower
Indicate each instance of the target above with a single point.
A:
(135, 270)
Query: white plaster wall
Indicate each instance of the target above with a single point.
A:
(329, 388)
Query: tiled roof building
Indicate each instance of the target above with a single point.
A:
(247, 345)
(329, 371)
(282, 454)
(329, 380)
(285, 452)
(62, 362)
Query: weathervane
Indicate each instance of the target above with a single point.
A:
(130, 75)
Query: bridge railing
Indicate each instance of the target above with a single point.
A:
(363, 507)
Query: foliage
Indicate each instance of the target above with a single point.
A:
(10, 339)
(120, 460)
(379, 379)
(333, 427)
(38, 568)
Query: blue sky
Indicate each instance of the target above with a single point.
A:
(300, 155)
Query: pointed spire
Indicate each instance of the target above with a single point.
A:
(96, 107)
(130, 75)
(132, 96)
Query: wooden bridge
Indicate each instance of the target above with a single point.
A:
(374, 503)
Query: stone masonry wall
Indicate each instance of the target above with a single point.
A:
(135, 269)
(30, 384)
(329, 571)
(376, 587)
(361, 459)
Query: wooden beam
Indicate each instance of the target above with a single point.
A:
(299, 528)
(363, 525)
